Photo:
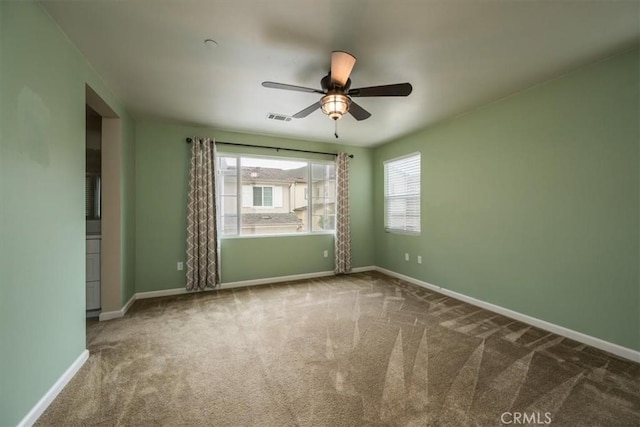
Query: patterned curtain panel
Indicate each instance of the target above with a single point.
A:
(343, 231)
(202, 233)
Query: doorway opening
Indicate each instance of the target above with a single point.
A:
(93, 208)
(104, 222)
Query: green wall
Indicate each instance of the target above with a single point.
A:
(42, 225)
(162, 160)
(532, 203)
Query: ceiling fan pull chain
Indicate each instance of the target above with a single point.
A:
(336, 128)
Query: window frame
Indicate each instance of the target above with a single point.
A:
(238, 157)
(407, 196)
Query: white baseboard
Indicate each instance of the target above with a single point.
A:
(161, 293)
(245, 283)
(363, 269)
(268, 280)
(607, 346)
(55, 389)
(409, 279)
(108, 315)
(231, 285)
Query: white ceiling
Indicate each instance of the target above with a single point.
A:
(457, 54)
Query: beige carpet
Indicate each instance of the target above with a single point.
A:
(363, 349)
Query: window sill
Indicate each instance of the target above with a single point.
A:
(257, 236)
(406, 233)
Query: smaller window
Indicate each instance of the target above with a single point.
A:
(402, 194)
(263, 196)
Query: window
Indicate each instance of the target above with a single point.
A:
(263, 196)
(402, 194)
(274, 195)
(260, 196)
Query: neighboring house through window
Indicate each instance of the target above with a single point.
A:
(275, 195)
(402, 194)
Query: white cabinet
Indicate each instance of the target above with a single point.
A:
(93, 295)
(93, 267)
(93, 273)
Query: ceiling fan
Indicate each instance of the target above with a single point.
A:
(337, 93)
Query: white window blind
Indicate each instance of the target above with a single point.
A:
(402, 194)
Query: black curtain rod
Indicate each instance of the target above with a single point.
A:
(189, 140)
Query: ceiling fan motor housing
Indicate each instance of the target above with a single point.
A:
(327, 84)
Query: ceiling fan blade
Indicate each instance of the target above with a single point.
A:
(274, 85)
(341, 65)
(304, 113)
(358, 112)
(399, 89)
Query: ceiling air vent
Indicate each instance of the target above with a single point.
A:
(278, 117)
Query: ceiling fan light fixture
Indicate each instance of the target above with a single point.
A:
(335, 105)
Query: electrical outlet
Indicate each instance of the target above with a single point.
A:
(406, 256)
(419, 259)
(180, 265)
(326, 254)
